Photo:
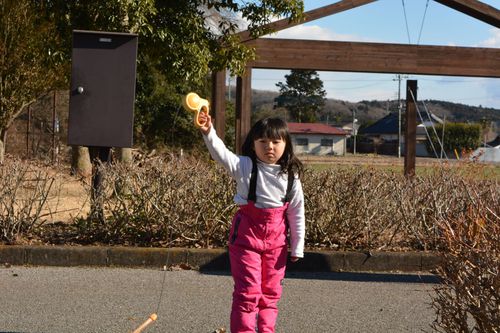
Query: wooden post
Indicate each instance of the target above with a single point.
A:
(410, 128)
(98, 155)
(219, 102)
(54, 128)
(28, 133)
(243, 107)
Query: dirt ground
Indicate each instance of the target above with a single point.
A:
(69, 197)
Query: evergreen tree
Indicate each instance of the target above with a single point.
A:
(302, 94)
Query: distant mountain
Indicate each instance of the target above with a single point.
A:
(339, 112)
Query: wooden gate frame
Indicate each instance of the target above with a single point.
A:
(354, 57)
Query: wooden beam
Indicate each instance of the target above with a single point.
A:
(243, 107)
(310, 16)
(410, 128)
(219, 102)
(476, 9)
(272, 53)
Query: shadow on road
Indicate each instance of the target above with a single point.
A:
(366, 277)
(320, 269)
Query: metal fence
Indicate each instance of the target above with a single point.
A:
(40, 132)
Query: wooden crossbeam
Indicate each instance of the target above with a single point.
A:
(274, 53)
(311, 16)
(476, 9)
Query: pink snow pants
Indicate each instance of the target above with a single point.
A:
(258, 253)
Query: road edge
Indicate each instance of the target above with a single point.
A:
(211, 259)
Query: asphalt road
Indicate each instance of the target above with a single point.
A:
(60, 299)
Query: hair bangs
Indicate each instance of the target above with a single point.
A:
(274, 129)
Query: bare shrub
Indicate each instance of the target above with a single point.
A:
(24, 191)
(362, 208)
(184, 202)
(347, 208)
(188, 202)
(468, 300)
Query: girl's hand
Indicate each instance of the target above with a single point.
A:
(294, 259)
(206, 122)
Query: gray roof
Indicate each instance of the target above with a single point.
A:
(386, 125)
(389, 124)
(494, 143)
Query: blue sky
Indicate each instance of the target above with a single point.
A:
(384, 21)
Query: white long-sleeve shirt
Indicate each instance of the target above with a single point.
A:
(270, 191)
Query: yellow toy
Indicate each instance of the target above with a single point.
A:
(194, 103)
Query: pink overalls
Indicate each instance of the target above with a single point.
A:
(258, 253)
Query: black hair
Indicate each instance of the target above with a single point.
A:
(273, 128)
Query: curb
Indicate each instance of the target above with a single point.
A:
(211, 259)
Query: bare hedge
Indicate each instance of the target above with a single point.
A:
(363, 208)
(164, 201)
(24, 191)
(188, 202)
(468, 300)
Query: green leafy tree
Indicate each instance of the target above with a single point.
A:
(29, 62)
(186, 40)
(302, 94)
(180, 44)
(459, 136)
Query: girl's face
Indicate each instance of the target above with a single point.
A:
(269, 150)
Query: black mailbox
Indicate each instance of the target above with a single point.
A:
(101, 106)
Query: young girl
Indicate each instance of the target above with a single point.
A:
(270, 199)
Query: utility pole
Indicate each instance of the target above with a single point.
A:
(398, 78)
(354, 120)
(399, 115)
(442, 136)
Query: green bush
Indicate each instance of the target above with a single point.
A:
(459, 136)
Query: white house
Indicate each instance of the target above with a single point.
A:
(317, 139)
(349, 126)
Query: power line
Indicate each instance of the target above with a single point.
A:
(358, 87)
(406, 21)
(456, 81)
(423, 20)
(466, 80)
(328, 80)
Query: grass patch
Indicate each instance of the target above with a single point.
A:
(466, 170)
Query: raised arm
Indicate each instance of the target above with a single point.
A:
(217, 148)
